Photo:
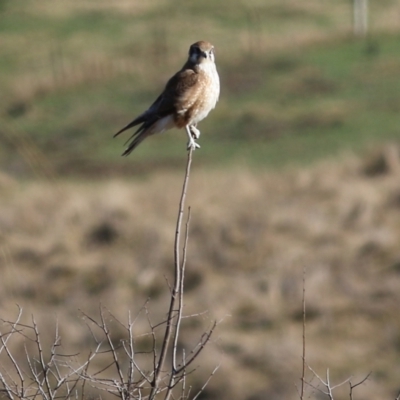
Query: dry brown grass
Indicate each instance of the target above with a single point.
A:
(70, 246)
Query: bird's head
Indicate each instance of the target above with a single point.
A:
(201, 52)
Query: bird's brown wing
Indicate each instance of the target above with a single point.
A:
(178, 94)
(175, 97)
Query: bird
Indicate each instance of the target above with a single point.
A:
(188, 97)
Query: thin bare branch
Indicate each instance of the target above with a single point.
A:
(13, 329)
(327, 383)
(175, 289)
(358, 384)
(111, 345)
(303, 372)
(199, 314)
(204, 340)
(43, 365)
(12, 359)
(341, 383)
(180, 294)
(207, 381)
(184, 376)
(181, 277)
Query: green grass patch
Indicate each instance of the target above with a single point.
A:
(289, 105)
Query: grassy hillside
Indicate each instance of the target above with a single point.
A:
(296, 85)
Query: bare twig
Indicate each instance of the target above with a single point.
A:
(327, 383)
(174, 371)
(207, 381)
(49, 377)
(304, 336)
(4, 346)
(180, 295)
(112, 347)
(177, 282)
(357, 384)
(203, 341)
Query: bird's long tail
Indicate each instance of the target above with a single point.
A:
(136, 121)
(149, 127)
(135, 140)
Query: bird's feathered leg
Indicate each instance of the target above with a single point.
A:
(195, 131)
(191, 142)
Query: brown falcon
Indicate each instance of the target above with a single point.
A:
(188, 97)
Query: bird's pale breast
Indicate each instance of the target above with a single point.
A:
(202, 97)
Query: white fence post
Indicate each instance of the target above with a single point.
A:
(360, 17)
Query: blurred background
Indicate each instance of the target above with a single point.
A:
(298, 168)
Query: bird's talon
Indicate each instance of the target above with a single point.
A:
(195, 132)
(192, 145)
